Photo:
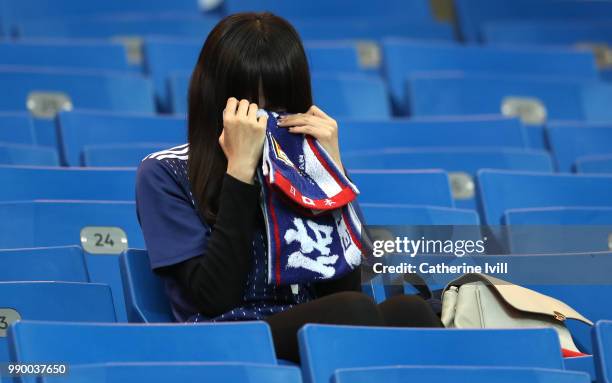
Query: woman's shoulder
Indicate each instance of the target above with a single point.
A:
(165, 164)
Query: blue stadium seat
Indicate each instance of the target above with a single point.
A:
(500, 191)
(23, 183)
(559, 216)
(405, 57)
(351, 95)
(144, 291)
(122, 155)
(594, 164)
(14, 12)
(72, 343)
(436, 347)
(135, 25)
(14, 154)
(180, 371)
(474, 131)
(458, 94)
(62, 263)
(602, 339)
(473, 14)
(52, 301)
(17, 128)
(371, 29)
(64, 54)
(457, 375)
(461, 163)
(36, 223)
(383, 214)
(547, 32)
(115, 91)
(82, 132)
(572, 140)
(411, 187)
(321, 9)
(172, 58)
(339, 95)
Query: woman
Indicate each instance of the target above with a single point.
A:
(198, 204)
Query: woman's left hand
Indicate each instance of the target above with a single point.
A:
(319, 125)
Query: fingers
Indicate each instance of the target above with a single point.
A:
(243, 108)
(315, 111)
(252, 113)
(230, 106)
(300, 119)
(263, 121)
(304, 129)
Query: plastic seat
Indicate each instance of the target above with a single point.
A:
(351, 95)
(411, 187)
(405, 57)
(602, 338)
(181, 371)
(457, 375)
(17, 128)
(144, 291)
(460, 94)
(121, 155)
(65, 54)
(47, 90)
(462, 163)
(103, 228)
(436, 347)
(594, 164)
(53, 301)
(570, 141)
(474, 131)
(139, 25)
(472, 15)
(501, 191)
(383, 214)
(547, 32)
(15, 154)
(28, 183)
(203, 342)
(61, 263)
(91, 132)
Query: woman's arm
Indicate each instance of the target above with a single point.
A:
(215, 280)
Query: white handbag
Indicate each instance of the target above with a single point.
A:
(481, 301)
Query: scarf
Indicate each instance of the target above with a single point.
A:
(313, 230)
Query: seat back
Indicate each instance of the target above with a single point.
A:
(63, 263)
(411, 187)
(602, 339)
(113, 91)
(594, 164)
(29, 183)
(81, 130)
(500, 191)
(13, 154)
(52, 301)
(120, 155)
(570, 141)
(470, 131)
(351, 95)
(436, 347)
(179, 371)
(210, 342)
(65, 54)
(461, 163)
(144, 292)
(390, 214)
(403, 57)
(457, 375)
(17, 128)
(546, 32)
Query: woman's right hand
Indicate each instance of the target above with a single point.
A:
(242, 138)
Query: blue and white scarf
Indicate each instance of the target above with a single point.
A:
(313, 231)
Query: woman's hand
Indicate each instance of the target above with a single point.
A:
(319, 125)
(242, 138)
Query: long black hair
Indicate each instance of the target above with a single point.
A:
(247, 56)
